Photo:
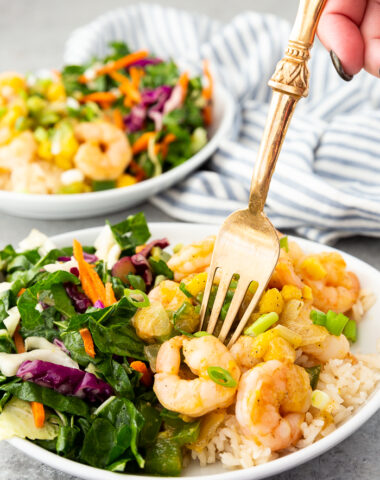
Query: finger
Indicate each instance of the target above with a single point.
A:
(370, 29)
(339, 31)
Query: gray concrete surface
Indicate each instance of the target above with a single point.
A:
(32, 34)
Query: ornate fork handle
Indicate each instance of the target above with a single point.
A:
(289, 82)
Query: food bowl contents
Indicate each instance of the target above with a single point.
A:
(111, 123)
(102, 360)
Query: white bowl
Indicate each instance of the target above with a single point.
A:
(368, 334)
(97, 203)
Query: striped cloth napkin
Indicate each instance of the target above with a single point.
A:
(327, 181)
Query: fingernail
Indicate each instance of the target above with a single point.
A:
(338, 67)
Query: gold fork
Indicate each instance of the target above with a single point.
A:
(247, 243)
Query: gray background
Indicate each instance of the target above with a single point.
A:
(32, 34)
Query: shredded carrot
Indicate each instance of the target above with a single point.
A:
(99, 97)
(130, 91)
(19, 341)
(91, 283)
(21, 291)
(207, 91)
(118, 119)
(110, 295)
(38, 414)
(87, 342)
(146, 378)
(136, 75)
(138, 171)
(184, 83)
(168, 139)
(122, 62)
(118, 77)
(207, 114)
(142, 142)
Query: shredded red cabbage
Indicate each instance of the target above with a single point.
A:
(74, 271)
(144, 62)
(89, 257)
(79, 300)
(134, 121)
(61, 345)
(98, 304)
(65, 380)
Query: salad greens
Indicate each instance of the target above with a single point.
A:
(127, 432)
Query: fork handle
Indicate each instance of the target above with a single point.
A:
(289, 82)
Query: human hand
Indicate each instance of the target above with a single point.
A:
(350, 30)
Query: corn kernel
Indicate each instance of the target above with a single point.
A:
(12, 115)
(290, 292)
(271, 301)
(44, 150)
(55, 91)
(313, 268)
(307, 293)
(140, 247)
(125, 180)
(197, 284)
(63, 162)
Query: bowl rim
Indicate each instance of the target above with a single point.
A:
(220, 93)
(273, 467)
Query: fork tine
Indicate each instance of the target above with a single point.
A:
(206, 294)
(219, 299)
(238, 297)
(246, 315)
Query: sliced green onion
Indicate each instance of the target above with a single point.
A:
(284, 243)
(318, 318)
(201, 334)
(138, 298)
(99, 185)
(320, 399)
(314, 373)
(183, 289)
(262, 324)
(335, 322)
(351, 331)
(221, 376)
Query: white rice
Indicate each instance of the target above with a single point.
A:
(365, 301)
(347, 382)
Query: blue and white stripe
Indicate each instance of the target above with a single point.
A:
(327, 181)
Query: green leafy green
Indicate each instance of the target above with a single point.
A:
(131, 232)
(32, 392)
(117, 376)
(160, 267)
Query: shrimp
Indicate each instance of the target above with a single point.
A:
(284, 273)
(39, 177)
(104, 152)
(339, 289)
(193, 258)
(271, 402)
(11, 83)
(200, 395)
(331, 347)
(169, 295)
(249, 351)
(19, 152)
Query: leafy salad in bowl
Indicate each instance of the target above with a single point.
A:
(110, 123)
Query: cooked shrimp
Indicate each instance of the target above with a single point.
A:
(200, 395)
(193, 258)
(339, 289)
(271, 402)
(249, 351)
(330, 347)
(105, 151)
(169, 295)
(20, 151)
(284, 273)
(38, 177)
